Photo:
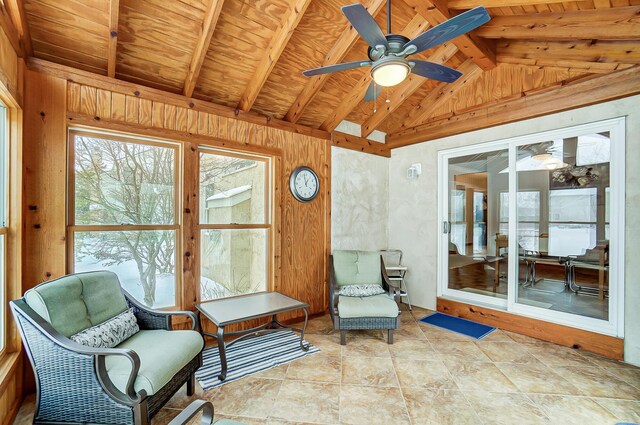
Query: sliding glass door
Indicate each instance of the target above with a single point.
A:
(534, 225)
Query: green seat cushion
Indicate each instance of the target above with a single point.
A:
(78, 301)
(375, 306)
(357, 267)
(162, 354)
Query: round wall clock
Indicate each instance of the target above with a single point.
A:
(304, 184)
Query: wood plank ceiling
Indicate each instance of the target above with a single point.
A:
(250, 54)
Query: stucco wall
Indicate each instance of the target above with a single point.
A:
(359, 200)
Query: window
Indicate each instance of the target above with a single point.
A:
(235, 223)
(528, 203)
(123, 212)
(572, 220)
(4, 218)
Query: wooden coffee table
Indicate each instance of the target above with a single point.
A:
(248, 307)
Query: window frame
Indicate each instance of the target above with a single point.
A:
(5, 343)
(268, 225)
(176, 227)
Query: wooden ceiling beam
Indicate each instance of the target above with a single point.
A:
(473, 47)
(620, 23)
(339, 50)
(470, 4)
(575, 94)
(416, 26)
(114, 19)
(200, 53)
(145, 92)
(272, 54)
(406, 89)
(578, 51)
(442, 94)
(347, 141)
(15, 9)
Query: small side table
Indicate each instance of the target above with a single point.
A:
(396, 274)
(242, 308)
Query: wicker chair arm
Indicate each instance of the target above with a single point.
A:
(99, 354)
(159, 319)
(192, 410)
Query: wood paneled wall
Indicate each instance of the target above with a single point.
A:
(52, 104)
(11, 360)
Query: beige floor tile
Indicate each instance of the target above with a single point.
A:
(498, 335)
(377, 371)
(408, 331)
(556, 355)
(327, 344)
(524, 339)
(573, 410)
(253, 397)
(372, 406)
(307, 402)
(597, 382)
(368, 333)
(459, 350)
(412, 349)
(625, 410)
(26, 411)
(604, 361)
(503, 351)
(277, 372)
(479, 376)
(367, 347)
(320, 325)
(438, 407)
(164, 416)
(317, 368)
(506, 409)
(629, 375)
(242, 419)
(180, 400)
(418, 373)
(537, 378)
(282, 422)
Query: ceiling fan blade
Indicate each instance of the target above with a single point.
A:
(373, 91)
(451, 29)
(366, 26)
(335, 68)
(435, 71)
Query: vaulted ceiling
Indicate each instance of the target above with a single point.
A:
(250, 54)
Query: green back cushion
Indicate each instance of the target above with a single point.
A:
(357, 267)
(76, 302)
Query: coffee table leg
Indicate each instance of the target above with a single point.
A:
(223, 354)
(304, 327)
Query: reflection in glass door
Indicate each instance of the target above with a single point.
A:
(476, 264)
(565, 257)
(535, 225)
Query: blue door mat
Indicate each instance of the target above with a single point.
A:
(456, 324)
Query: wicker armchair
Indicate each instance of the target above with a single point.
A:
(352, 313)
(127, 384)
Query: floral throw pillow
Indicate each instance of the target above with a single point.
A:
(361, 290)
(109, 333)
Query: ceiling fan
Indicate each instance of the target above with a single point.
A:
(388, 53)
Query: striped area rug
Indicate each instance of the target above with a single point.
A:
(251, 355)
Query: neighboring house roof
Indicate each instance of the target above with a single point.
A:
(229, 198)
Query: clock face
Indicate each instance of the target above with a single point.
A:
(304, 184)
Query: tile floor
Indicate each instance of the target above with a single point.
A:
(428, 376)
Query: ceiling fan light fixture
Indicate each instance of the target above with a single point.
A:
(390, 72)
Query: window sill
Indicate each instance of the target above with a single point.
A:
(8, 364)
